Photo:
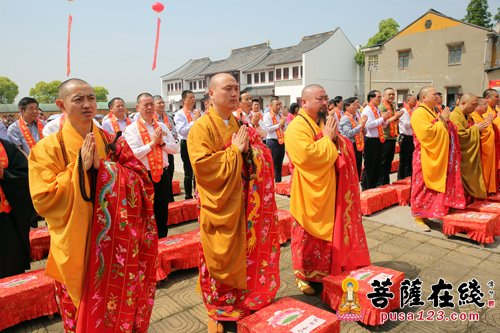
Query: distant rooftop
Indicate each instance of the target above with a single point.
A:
(239, 59)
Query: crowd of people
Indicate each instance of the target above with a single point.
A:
(103, 189)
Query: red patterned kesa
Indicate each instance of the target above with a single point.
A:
(263, 249)
(285, 220)
(26, 296)
(39, 243)
(177, 252)
(332, 291)
(119, 292)
(290, 315)
(478, 226)
(487, 207)
(427, 203)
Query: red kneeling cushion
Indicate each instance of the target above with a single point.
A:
(26, 296)
(175, 213)
(290, 315)
(282, 188)
(332, 291)
(487, 207)
(39, 243)
(403, 192)
(376, 199)
(190, 210)
(178, 252)
(478, 226)
(176, 187)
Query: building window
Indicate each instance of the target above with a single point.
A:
(285, 73)
(195, 85)
(295, 72)
(404, 59)
(270, 75)
(249, 78)
(262, 77)
(190, 86)
(372, 62)
(455, 55)
(278, 74)
(204, 83)
(301, 71)
(256, 77)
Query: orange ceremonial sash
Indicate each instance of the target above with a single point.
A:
(27, 134)
(155, 156)
(380, 129)
(279, 132)
(4, 163)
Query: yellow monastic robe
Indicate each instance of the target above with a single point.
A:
(312, 196)
(55, 190)
(470, 165)
(488, 158)
(434, 146)
(222, 215)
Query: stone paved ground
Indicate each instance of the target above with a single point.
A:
(393, 243)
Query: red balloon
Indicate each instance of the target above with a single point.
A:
(158, 7)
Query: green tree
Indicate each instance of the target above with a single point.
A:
(45, 92)
(497, 16)
(478, 13)
(8, 90)
(101, 93)
(386, 29)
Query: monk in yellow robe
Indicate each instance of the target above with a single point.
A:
(328, 236)
(67, 171)
(488, 158)
(491, 95)
(469, 137)
(239, 257)
(436, 181)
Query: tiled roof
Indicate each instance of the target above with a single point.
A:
(240, 59)
(189, 70)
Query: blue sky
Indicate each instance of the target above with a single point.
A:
(112, 40)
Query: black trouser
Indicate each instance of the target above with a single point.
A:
(160, 204)
(170, 176)
(278, 153)
(405, 156)
(188, 171)
(373, 163)
(388, 149)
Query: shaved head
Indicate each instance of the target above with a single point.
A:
(468, 103)
(224, 92)
(217, 79)
(65, 87)
(424, 92)
(307, 91)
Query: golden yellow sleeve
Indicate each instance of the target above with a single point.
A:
(313, 189)
(218, 174)
(435, 146)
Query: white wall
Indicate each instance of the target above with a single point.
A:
(332, 65)
(291, 91)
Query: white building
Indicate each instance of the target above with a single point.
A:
(326, 58)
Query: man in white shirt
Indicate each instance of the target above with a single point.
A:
(184, 119)
(274, 125)
(374, 139)
(168, 120)
(406, 138)
(151, 142)
(117, 119)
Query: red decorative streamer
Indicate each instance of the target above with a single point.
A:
(68, 50)
(157, 41)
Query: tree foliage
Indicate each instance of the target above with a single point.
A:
(45, 92)
(497, 16)
(101, 93)
(386, 29)
(478, 13)
(8, 90)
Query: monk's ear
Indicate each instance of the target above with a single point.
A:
(60, 104)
